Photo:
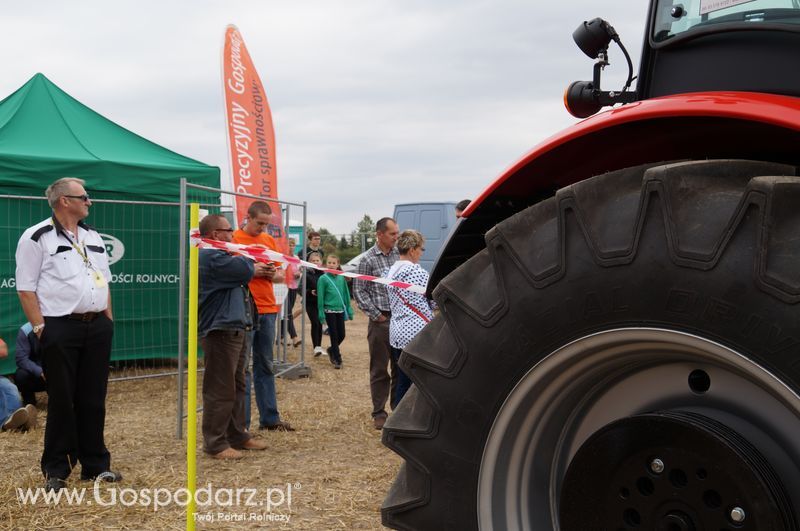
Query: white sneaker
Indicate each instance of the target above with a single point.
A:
(318, 351)
(16, 420)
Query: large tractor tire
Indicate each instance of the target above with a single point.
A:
(624, 355)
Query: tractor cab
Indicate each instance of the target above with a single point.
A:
(713, 45)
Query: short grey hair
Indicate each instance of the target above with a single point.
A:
(409, 240)
(210, 223)
(383, 224)
(60, 188)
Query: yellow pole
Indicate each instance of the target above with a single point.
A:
(191, 407)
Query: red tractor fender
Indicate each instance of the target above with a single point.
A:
(694, 126)
(643, 117)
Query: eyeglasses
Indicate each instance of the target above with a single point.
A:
(84, 197)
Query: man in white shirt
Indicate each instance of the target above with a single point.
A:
(62, 279)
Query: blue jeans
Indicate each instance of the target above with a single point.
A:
(9, 399)
(263, 377)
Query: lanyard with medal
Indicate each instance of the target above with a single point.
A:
(97, 276)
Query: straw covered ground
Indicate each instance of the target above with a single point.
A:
(334, 466)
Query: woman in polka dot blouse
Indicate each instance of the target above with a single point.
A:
(410, 311)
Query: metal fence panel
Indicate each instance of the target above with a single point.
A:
(140, 239)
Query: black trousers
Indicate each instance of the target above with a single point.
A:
(29, 384)
(291, 296)
(336, 329)
(75, 358)
(313, 316)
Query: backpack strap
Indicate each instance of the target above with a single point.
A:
(413, 308)
(410, 306)
(341, 299)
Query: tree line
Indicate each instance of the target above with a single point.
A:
(347, 246)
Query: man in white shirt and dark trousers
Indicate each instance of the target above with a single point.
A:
(62, 278)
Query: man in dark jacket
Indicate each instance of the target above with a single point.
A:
(29, 377)
(225, 321)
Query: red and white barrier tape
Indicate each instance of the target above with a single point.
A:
(262, 254)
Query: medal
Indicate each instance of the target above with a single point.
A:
(99, 279)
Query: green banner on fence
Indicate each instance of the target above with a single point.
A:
(142, 241)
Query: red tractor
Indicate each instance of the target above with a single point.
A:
(619, 340)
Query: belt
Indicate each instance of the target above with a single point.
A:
(85, 317)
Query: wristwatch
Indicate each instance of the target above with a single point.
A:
(38, 328)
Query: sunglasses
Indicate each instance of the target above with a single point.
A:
(223, 230)
(84, 197)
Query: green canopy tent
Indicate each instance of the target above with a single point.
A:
(46, 134)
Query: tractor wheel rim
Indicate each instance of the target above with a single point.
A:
(600, 378)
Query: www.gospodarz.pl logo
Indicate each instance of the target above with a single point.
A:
(272, 499)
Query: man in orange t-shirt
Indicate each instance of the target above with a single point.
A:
(263, 379)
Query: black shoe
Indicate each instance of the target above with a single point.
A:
(337, 365)
(54, 484)
(108, 476)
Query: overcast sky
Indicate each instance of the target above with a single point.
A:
(375, 102)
